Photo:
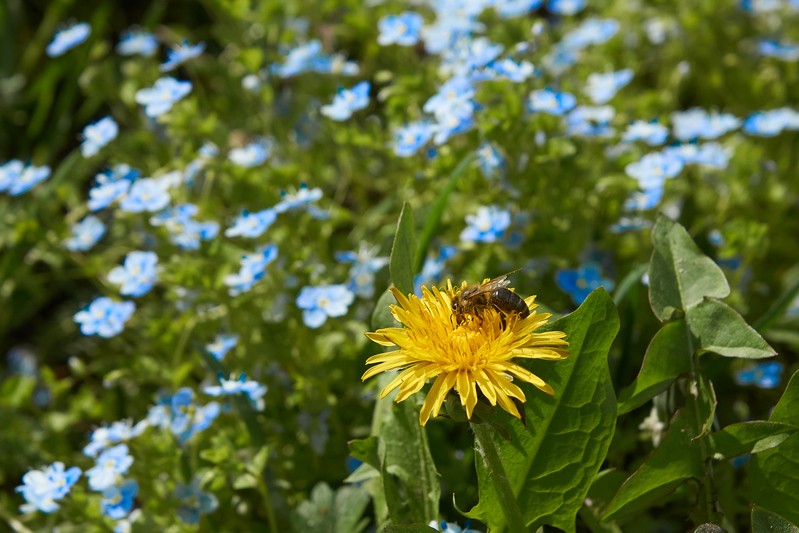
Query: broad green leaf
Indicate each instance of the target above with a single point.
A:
(332, 512)
(552, 462)
(402, 252)
(787, 409)
(723, 331)
(680, 275)
(666, 358)
(766, 522)
(775, 472)
(676, 459)
(749, 437)
(433, 219)
(774, 478)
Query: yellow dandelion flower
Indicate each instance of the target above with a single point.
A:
(477, 353)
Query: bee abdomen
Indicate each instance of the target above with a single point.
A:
(509, 302)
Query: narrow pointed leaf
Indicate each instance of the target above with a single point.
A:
(666, 358)
(405, 457)
(402, 252)
(723, 331)
(553, 461)
(433, 218)
(680, 275)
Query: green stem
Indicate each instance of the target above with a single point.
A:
(496, 473)
(263, 488)
(708, 489)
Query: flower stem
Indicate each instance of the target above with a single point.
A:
(263, 489)
(485, 446)
(707, 486)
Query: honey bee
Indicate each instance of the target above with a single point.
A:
(473, 300)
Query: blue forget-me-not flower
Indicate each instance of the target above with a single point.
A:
(68, 38)
(652, 133)
(97, 135)
(252, 224)
(551, 102)
(252, 154)
(160, 98)
(137, 274)
(602, 87)
(579, 282)
(403, 29)
(137, 42)
(184, 231)
(85, 234)
(409, 138)
(488, 225)
(110, 186)
(783, 51)
(181, 53)
(16, 178)
(253, 268)
(42, 489)
(109, 467)
(194, 501)
(565, 7)
(764, 375)
(697, 123)
(221, 345)
(767, 123)
(364, 265)
(104, 317)
(241, 385)
(323, 301)
(188, 418)
(347, 101)
(118, 501)
(146, 194)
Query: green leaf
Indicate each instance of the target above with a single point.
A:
(723, 331)
(680, 275)
(774, 478)
(412, 528)
(332, 512)
(552, 462)
(433, 219)
(787, 409)
(766, 522)
(749, 437)
(666, 358)
(676, 459)
(381, 316)
(602, 490)
(778, 308)
(402, 252)
(632, 279)
(775, 473)
(408, 477)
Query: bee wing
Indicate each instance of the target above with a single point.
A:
(497, 283)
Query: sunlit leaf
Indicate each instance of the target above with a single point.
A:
(553, 461)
